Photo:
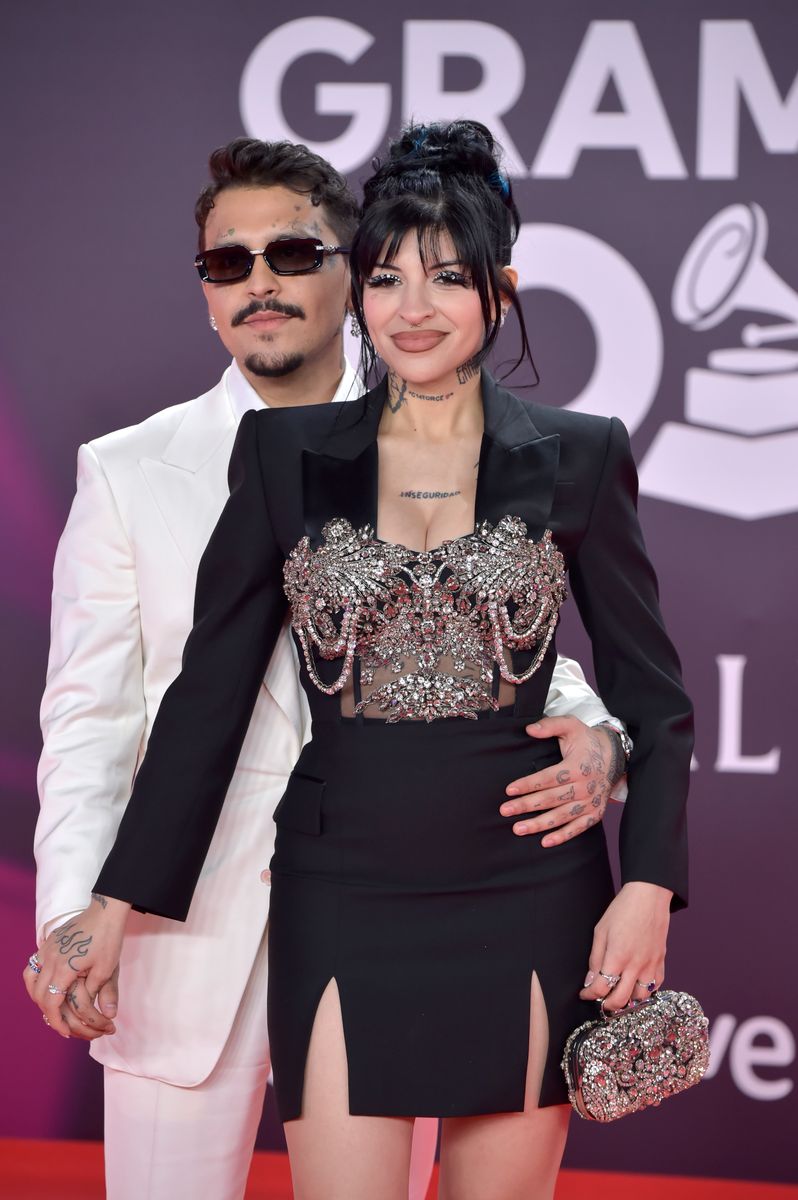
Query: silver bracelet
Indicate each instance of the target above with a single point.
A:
(622, 736)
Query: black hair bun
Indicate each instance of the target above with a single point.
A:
(466, 144)
(430, 152)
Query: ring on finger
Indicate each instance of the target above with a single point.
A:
(610, 979)
(57, 991)
(34, 964)
(650, 985)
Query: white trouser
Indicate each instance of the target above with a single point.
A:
(163, 1141)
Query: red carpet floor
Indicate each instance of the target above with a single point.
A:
(31, 1170)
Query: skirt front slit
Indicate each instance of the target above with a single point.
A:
(395, 875)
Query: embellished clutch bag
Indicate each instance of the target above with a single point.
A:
(626, 1061)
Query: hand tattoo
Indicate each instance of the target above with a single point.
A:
(72, 943)
(596, 765)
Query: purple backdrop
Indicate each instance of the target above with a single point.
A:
(653, 149)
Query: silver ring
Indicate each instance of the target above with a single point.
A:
(34, 964)
(57, 991)
(610, 979)
(650, 986)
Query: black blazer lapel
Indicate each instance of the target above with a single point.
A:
(517, 466)
(339, 479)
(338, 487)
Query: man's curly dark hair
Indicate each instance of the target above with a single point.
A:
(249, 162)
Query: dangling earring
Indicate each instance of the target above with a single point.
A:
(212, 323)
(503, 317)
(354, 326)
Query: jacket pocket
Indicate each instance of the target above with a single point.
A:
(299, 808)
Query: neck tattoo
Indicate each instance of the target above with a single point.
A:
(397, 392)
(432, 399)
(467, 371)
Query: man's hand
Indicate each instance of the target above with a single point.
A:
(571, 795)
(78, 961)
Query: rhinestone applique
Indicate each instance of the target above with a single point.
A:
(638, 1057)
(464, 603)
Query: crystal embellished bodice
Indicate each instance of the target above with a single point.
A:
(424, 634)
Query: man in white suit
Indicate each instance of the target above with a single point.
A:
(187, 1065)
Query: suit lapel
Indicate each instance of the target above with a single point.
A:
(339, 478)
(517, 466)
(189, 486)
(189, 481)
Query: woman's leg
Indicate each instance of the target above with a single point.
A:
(335, 1156)
(508, 1156)
(422, 1156)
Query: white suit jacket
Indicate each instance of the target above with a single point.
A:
(147, 500)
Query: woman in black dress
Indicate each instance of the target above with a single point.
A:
(424, 961)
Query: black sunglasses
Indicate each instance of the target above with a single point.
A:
(288, 256)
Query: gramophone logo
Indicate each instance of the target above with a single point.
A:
(738, 452)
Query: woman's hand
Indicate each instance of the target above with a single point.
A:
(629, 945)
(76, 960)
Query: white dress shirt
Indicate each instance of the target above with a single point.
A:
(243, 397)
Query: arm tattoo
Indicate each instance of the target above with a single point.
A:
(467, 371)
(103, 900)
(427, 495)
(617, 765)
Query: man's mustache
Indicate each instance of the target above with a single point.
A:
(258, 306)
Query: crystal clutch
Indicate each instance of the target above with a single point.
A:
(629, 1060)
